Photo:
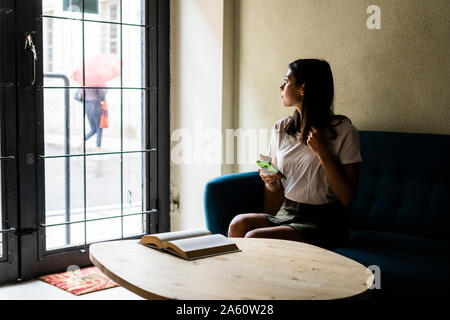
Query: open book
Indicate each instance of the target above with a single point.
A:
(190, 244)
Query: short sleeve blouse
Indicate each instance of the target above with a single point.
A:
(306, 181)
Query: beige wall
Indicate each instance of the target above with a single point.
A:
(392, 79)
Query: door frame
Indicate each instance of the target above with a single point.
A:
(9, 264)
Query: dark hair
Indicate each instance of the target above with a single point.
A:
(317, 107)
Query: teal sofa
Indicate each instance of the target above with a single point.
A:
(399, 221)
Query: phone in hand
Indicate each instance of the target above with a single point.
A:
(269, 168)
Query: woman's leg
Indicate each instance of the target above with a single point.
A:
(93, 128)
(90, 114)
(98, 117)
(99, 136)
(278, 232)
(243, 223)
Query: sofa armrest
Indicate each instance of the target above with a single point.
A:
(229, 195)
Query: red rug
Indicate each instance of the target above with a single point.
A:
(80, 281)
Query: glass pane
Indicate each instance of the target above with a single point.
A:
(62, 8)
(103, 10)
(134, 225)
(102, 54)
(63, 122)
(102, 137)
(104, 230)
(64, 201)
(62, 52)
(133, 117)
(103, 186)
(132, 183)
(133, 52)
(134, 12)
(55, 237)
(64, 189)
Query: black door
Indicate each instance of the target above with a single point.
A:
(8, 156)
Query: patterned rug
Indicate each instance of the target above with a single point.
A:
(81, 281)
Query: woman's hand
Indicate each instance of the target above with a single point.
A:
(271, 181)
(317, 142)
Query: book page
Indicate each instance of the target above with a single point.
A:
(175, 235)
(151, 245)
(205, 242)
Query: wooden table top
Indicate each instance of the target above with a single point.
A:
(265, 269)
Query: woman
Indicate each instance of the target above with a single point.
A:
(319, 153)
(94, 108)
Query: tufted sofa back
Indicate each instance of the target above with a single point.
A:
(404, 184)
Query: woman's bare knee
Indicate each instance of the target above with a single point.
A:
(236, 226)
(242, 223)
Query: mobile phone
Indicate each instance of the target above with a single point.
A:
(269, 168)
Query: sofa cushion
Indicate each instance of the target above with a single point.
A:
(411, 267)
(229, 195)
(404, 184)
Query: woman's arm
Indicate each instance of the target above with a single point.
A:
(272, 182)
(275, 187)
(342, 179)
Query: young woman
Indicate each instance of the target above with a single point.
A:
(319, 154)
(94, 100)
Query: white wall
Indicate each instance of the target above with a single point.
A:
(197, 103)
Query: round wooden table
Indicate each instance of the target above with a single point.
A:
(265, 269)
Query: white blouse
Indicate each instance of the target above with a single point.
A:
(306, 181)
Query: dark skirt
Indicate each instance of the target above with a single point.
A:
(323, 225)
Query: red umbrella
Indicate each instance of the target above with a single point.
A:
(98, 70)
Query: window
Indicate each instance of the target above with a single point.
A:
(94, 189)
(62, 191)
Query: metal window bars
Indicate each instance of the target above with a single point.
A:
(67, 154)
